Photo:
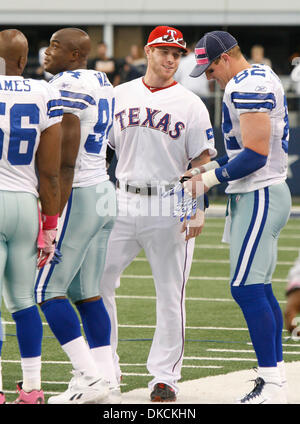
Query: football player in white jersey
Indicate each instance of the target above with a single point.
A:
(159, 128)
(256, 132)
(88, 209)
(30, 146)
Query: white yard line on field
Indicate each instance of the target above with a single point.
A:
(248, 351)
(225, 246)
(215, 261)
(187, 327)
(200, 299)
(205, 277)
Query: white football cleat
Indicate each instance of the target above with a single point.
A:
(114, 395)
(83, 389)
(268, 393)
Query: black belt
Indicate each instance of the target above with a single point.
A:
(144, 191)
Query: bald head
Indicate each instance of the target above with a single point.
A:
(75, 39)
(14, 50)
(68, 50)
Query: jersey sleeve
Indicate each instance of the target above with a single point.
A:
(75, 97)
(53, 111)
(251, 91)
(200, 135)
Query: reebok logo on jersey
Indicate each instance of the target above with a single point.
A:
(149, 118)
(260, 88)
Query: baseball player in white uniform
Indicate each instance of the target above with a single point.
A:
(85, 222)
(159, 129)
(256, 133)
(30, 145)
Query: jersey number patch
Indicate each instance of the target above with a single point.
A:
(94, 141)
(21, 139)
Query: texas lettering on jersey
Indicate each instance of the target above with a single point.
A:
(150, 118)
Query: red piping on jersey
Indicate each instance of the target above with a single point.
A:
(154, 89)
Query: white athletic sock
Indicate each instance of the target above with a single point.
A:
(283, 377)
(281, 367)
(104, 360)
(31, 368)
(270, 374)
(81, 357)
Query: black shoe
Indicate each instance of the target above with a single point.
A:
(163, 393)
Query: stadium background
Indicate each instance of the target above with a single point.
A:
(275, 25)
(213, 320)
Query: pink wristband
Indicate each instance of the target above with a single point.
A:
(49, 221)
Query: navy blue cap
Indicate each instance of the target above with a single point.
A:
(209, 48)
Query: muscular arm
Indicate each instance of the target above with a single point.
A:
(69, 151)
(201, 159)
(256, 131)
(48, 166)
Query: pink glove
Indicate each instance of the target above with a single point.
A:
(46, 247)
(46, 242)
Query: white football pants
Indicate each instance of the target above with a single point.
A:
(141, 224)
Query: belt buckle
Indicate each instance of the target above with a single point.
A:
(137, 190)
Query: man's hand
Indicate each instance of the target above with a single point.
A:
(194, 186)
(46, 247)
(192, 172)
(194, 225)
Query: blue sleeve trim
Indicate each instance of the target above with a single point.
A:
(74, 105)
(268, 106)
(54, 113)
(242, 165)
(253, 100)
(76, 96)
(54, 108)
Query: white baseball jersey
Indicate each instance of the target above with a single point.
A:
(257, 89)
(88, 94)
(27, 107)
(156, 134)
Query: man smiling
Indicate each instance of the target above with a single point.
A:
(155, 138)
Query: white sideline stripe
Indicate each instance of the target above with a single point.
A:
(13, 323)
(281, 237)
(137, 277)
(205, 299)
(209, 223)
(121, 365)
(204, 358)
(16, 361)
(219, 246)
(46, 393)
(215, 261)
(247, 351)
(290, 345)
(184, 366)
(187, 327)
(150, 326)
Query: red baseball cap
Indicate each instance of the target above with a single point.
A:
(166, 36)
